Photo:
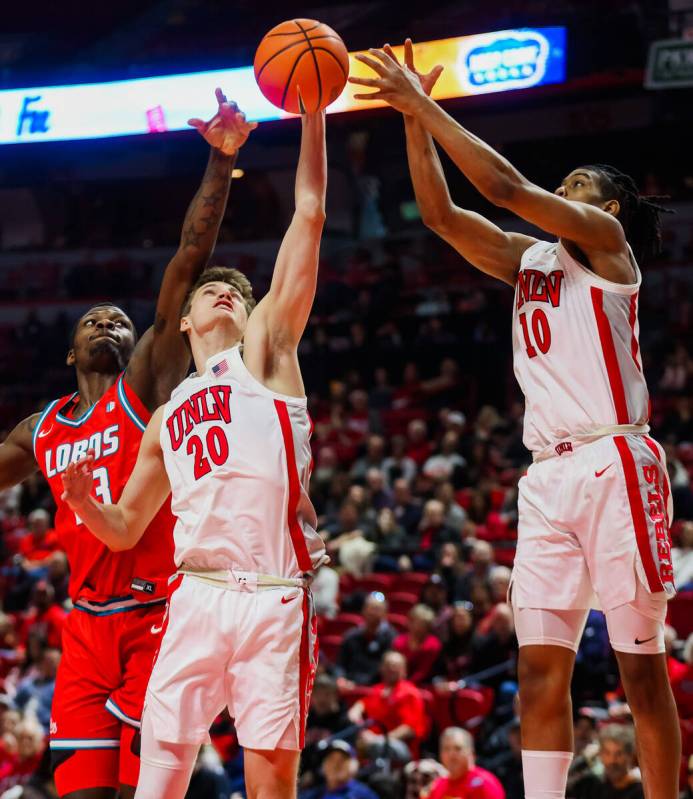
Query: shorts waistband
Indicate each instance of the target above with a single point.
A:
(236, 580)
(568, 445)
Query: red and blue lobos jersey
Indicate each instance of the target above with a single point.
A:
(575, 348)
(113, 429)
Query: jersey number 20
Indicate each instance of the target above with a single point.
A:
(541, 332)
(217, 449)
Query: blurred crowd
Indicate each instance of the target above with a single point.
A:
(417, 449)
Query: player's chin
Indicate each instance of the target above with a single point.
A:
(108, 355)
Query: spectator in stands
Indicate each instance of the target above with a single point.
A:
(379, 495)
(499, 582)
(619, 781)
(496, 647)
(407, 509)
(372, 459)
(419, 775)
(339, 768)
(465, 779)
(687, 792)
(362, 649)
(433, 533)
(30, 746)
(418, 444)
(35, 694)
(434, 595)
(398, 465)
(392, 543)
(447, 464)
(675, 667)
(44, 617)
(479, 570)
(58, 575)
(455, 515)
(396, 709)
(40, 541)
(325, 590)
(326, 715)
(507, 765)
(456, 654)
(682, 557)
(419, 646)
(346, 540)
(683, 687)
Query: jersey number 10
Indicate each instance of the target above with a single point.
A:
(541, 332)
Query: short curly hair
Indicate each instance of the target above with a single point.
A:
(222, 274)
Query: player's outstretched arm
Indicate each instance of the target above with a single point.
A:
(161, 358)
(491, 174)
(17, 460)
(277, 324)
(121, 526)
(479, 241)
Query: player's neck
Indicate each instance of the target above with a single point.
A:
(210, 344)
(91, 386)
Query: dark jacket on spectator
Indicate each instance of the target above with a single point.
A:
(360, 655)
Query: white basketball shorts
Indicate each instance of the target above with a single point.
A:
(253, 651)
(592, 522)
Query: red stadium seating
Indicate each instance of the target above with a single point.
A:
(372, 582)
(329, 646)
(341, 623)
(402, 601)
(399, 622)
(412, 582)
(680, 614)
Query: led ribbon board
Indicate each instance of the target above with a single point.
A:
(478, 64)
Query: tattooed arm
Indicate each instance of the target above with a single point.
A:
(17, 459)
(161, 358)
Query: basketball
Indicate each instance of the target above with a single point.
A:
(301, 65)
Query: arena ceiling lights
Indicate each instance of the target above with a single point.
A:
(478, 64)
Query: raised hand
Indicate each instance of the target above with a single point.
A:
(228, 129)
(399, 85)
(428, 80)
(77, 481)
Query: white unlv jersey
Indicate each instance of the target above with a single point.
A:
(575, 348)
(238, 458)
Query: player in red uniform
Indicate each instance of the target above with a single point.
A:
(111, 637)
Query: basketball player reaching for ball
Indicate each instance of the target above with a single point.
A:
(232, 445)
(110, 638)
(594, 507)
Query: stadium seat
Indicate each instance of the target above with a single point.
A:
(412, 582)
(470, 706)
(341, 623)
(372, 582)
(680, 614)
(329, 647)
(399, 622)
(402, 601)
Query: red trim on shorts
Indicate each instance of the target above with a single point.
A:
(295, 530)
(304, 673)
(173, 587)
(632, 318)
(610, 359)
(637, 510)
(665, 478)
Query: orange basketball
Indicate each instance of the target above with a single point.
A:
(301, 65)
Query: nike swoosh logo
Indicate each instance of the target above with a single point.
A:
(644, 641)
(599, 474)
(286, 600)
(156, 630)
(43, 433)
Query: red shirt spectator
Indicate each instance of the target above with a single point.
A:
(40, 541)
(465, 779)
(43, 616)
(419, 646)
(395, 705)
(477, 783)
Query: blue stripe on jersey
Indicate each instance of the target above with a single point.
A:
(128, 408)
(134, 606)
(41, 420)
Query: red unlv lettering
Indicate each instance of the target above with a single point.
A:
(207, 405)
(535, 286)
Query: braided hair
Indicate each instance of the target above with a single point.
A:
(639, 214)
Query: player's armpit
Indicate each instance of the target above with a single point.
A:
(483, 244)
(17, 460)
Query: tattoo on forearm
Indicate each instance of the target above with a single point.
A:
(205, 212)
